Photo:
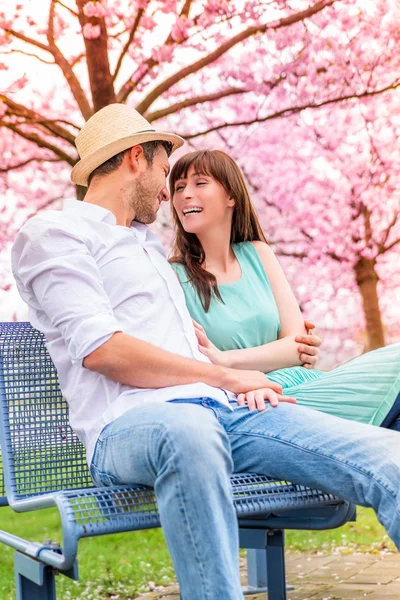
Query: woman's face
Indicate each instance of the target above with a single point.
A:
(201, 203)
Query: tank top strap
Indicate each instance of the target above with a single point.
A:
(250, 261)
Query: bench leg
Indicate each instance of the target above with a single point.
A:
(33, 580)
(257, 570)
(276, 565)
(265, 563)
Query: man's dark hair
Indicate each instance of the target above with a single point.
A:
(112, 164)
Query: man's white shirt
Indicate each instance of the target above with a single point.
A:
(85, 278)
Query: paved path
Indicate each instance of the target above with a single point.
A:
(345, 577)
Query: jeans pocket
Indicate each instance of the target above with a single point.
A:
(213, 406)
(98, 469)
(102, 478)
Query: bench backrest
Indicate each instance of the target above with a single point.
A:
(40, 452)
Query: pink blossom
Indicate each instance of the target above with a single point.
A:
(91, 32)
(168, 6)
(147, 22)
(179, 31)
(94, 9)
(138, 73)
(163, 54)
(313, 176)
(217, 7)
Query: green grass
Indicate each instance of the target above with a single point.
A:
(122, 565)
(118, 564)
(363, 535)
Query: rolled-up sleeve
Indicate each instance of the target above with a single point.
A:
(56, 273)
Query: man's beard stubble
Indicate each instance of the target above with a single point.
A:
(141, 198)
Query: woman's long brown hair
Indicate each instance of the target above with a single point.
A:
(187, 249)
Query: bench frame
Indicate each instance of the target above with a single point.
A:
(34, 433)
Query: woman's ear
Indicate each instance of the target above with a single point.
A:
(231, 202)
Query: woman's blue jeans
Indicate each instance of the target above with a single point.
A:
(187, 449)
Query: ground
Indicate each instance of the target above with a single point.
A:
(340, 577)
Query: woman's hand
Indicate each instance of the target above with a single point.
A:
(216, 356)
(256, 399)
(309, 348)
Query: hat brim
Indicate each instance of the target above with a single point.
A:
(84, 167)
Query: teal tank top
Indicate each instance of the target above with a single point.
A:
(249, 315)
(363, 389)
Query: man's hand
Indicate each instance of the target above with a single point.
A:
(309, 346)
(256, 399)
(241, 381)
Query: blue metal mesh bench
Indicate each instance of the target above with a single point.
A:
(44, 465)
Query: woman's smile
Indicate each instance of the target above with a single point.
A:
(188, 211)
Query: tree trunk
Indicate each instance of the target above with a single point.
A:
(367, 280)
(100, 78)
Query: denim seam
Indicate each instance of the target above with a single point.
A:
(181, 496)
(313, 451)
(100, 473)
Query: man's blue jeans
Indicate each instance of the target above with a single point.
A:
(187, 449)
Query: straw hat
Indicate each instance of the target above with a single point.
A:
(111, 130)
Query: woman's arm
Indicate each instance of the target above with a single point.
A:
(269, 357)
(281, 353)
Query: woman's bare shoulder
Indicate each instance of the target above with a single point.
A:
(264, 250)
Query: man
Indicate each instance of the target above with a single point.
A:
(147, 405)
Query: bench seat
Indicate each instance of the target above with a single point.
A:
(44, 465)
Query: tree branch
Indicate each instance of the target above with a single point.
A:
(128, 43)
(26, 162)
(28, 40)
(67, 8)
(47, 204)
(66, 68)
(389, 228)
(159, 114)
(97, 60)
(186, 9)
(296, 109)
(301, 255)
(60, 60)
(46, 62)
(77, 59)
(213, 56)
(32, 137)
(34, 117)
(392, 245)
(129, 86)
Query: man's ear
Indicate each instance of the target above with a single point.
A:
(137, 159)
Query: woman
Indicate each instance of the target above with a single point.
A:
(247, 316)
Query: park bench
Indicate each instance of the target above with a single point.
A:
(44, 466)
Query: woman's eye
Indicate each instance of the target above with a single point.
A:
(201, 182)
(178, 188)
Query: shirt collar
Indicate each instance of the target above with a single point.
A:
(99, 213)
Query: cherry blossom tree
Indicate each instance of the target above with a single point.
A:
(276, 82)
(326, 188)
